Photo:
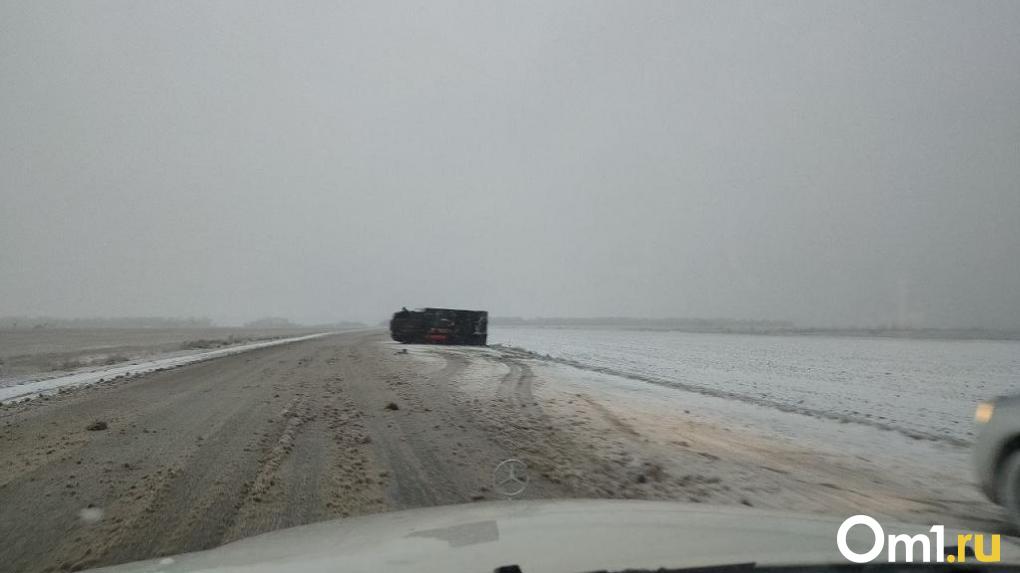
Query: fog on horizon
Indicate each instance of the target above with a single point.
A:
(827, 163)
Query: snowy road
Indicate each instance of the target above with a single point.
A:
(353, 423)
(287, 434)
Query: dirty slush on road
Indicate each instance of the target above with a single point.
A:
(352, 424)
(191, 458)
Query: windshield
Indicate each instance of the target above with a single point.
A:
(266, 264)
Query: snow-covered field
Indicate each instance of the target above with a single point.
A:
(922, 389)
(860, 415)
(93, 375)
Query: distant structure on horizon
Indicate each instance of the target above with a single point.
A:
(38, 322)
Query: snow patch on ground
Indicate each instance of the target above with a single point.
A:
(92, 376)
(922, 389)
(939, 466)
(889, 420)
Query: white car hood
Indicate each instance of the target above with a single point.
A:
(540, 537)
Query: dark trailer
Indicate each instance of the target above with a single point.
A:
(440, 326)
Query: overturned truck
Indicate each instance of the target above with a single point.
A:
(440, 326)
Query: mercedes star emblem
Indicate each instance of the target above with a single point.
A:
(510, 478)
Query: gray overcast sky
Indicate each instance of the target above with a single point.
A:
(849, 163)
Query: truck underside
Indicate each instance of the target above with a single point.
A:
(440, 326)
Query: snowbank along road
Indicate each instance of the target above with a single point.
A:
(95, 375)
(187, 459)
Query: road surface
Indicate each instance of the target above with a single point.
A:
(204, 454)
(352, 424)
